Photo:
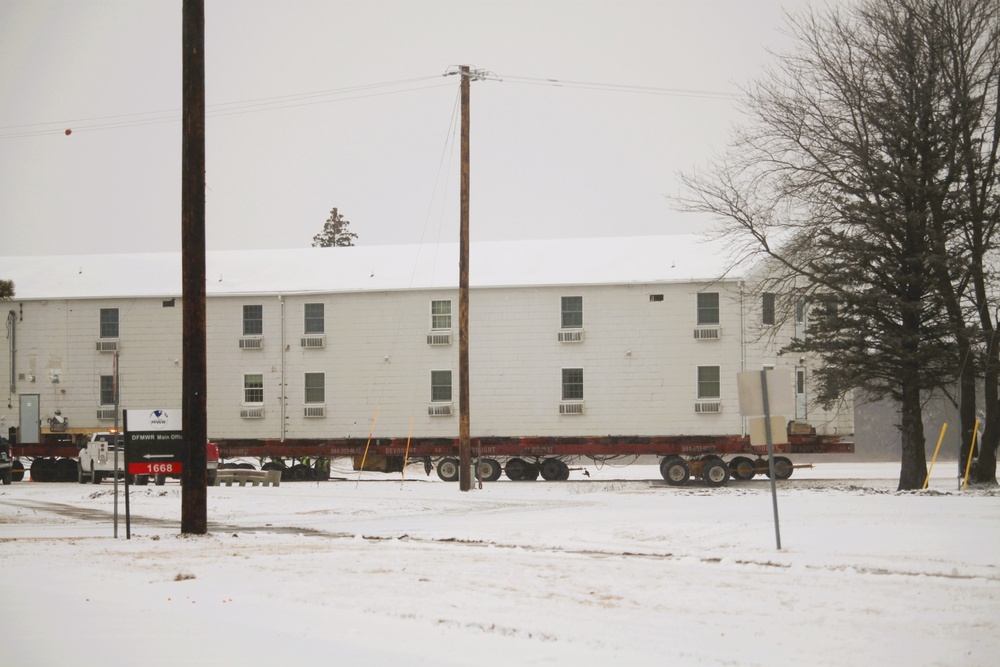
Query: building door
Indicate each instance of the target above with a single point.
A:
(29, 420)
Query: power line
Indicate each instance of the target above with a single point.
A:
(623, 88)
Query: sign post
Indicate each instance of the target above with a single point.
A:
(759, 398)
(154, 445)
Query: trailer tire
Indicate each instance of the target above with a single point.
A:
(159, 480)
(715, 472)
(17, 471)
(675, 470)
(552, 469)
(515, 469)
(782, 468)
(742, 468)
(447, 469)
(489, 470)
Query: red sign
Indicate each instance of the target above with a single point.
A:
(170, 468)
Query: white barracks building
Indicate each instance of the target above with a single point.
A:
(613, 336)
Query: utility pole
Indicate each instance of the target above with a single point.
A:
(194, 424)
(464, 443)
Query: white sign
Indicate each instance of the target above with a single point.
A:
(780, 397)
(156, 419)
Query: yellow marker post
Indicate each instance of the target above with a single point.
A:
(944, 427)
(972, 449)
(364, 457)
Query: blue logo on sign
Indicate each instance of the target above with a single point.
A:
(158, 419)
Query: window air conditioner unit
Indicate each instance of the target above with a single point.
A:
(315, 411)
(251, 343)
(708, 407)
(442, 410)
(708, 333)
(252, 413)
(313, 342)
(571, 336)
(106, 414)
(571, 408)
(439, 338)
(107, 346)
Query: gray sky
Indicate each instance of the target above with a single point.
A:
(299, 121)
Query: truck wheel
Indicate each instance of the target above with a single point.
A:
(742, 468)
(715, 472)
(80, 477)
(782, 467)
(95, 477)
(141, 480)
(675, 470)
(515, 469)
(489, 470)
(8, 476)
(447, 469)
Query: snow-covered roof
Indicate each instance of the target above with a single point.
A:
(595, 261)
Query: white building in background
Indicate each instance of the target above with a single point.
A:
(617, 336)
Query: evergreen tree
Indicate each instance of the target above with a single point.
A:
(335, 232)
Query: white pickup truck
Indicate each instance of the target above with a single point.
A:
(97, 458)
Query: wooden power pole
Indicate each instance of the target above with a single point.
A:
(464, 443)
(194, 505)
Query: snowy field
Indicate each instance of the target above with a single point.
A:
(617, 569)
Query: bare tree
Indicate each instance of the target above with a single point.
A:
(6, 289)
(852, 178)
(335, 232)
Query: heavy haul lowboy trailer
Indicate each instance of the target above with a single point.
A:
(713, 459)
(525, 458)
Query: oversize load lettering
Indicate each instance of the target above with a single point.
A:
(170, 468)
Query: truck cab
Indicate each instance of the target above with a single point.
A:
(97, 457)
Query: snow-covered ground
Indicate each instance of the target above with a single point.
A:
(617, 569)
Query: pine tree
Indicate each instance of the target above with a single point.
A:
(335, 232)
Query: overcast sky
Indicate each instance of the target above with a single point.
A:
(329, 103)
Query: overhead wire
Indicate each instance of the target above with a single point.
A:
(622, 88)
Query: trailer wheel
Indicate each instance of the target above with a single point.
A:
(141, 480)
(675, 470)
(17, 471)
(447, 469)
(782, 468)
(552, 469)
(489, 470)
(715, 472)
(742, 468)
(159, 480)
(515, 469)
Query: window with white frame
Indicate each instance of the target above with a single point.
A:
(441, 314)
(767, 308)
(253, 320)
(315, 322)
(441, 386)
(572, 312)
(709, 382)
(253, 388)
(708, 308)
(572, 384)
(315, 387)
(109, 323)
(107, 390)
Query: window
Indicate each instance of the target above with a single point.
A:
(767, 308)
(572, 384)
(315, 387)
(253, 388)
(708, 308)
(107, 390)
(441, 315)
(800, 311)
(709, 384)
(109, 323)
(572, 312)
(441, 386)
(253, 320)
(314, 319)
